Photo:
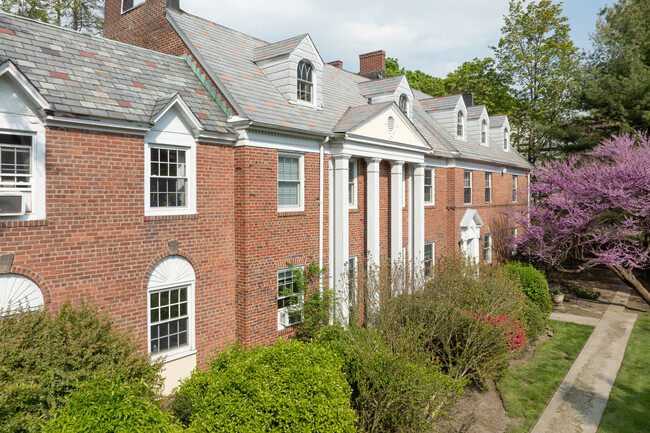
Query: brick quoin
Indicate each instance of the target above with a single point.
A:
(97, 244)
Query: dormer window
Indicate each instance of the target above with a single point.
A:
(403, 103)
(505, 139)
(460, 124)
(484, 131)
(305, 82)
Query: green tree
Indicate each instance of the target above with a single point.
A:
(616, 86)
(537, 55)
(489, 86)
(82, 15)
(417, 79)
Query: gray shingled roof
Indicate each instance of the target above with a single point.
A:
(356, 115)
(99, 78)
(497, 121)
(441, 103)
(277, 49)
(375, 87)
(475, 110)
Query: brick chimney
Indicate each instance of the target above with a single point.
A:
(373, 65)
(143, 23)
(336, 64)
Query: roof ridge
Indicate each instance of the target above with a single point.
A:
(92, 37)
(181, 12)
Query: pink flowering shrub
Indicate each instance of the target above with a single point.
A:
(513, 331)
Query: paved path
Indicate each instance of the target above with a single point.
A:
(578, 403)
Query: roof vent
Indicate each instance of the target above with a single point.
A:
(390, 123)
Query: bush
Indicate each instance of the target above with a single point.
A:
(291, 386)
(438, 319)
(111, 405)
(392, 391)
(583, 292)
(534, 285)
(43, 358)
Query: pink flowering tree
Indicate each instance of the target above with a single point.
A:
(594, 208)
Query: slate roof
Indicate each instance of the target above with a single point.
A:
(475, 111)
(497, 121)
(278, 48)
(357, 115)
(375, 87)
(99, 78)
(440, 103)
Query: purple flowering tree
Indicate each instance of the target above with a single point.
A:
(595, 208)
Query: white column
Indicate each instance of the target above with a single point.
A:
(418, 215)
(372, 211)
(340, 235)
(396, 210)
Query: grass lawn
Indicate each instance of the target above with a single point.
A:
(527, 388)
(627, 408)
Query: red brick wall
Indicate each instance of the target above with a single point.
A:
(97, 244)
(145, 26)
(266, 240)
(372, 62)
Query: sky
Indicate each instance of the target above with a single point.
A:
(434, 36)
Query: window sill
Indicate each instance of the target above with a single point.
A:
(173, 356)
(291, 213)
(192, 216)
(429, 205)
(353, 210)
(24, 223)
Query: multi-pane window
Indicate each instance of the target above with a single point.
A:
(130, 4)
(289, 299)
(429, 192)
(168, 177)
(467, 187)
(428, 259)
(16, 175)
(289, 181)
(505, 139)
(403, 103)
(487, 247)
(352, 183)
(488, 187)
(305, 81)
(459, 124)
(169, 317)
(514, 188)
(484, 131)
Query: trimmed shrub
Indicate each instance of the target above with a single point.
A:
(534, 285)
(393, 392)
(437, 320)
(583, 292)
(291, 386)
(111, 405)
(43, 358)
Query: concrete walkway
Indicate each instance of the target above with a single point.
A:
(578, 403)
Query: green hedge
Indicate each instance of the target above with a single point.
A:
(289, 387)
(534, 285)
(111, 405)
(45, 357)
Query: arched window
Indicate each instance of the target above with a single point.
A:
(17, 291)
(403, 103)
(459, 124)
(305, 81)
(505, 139)
(483, 131)
(171, 306)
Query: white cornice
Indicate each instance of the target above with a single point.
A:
(98, 125)
(8, 68)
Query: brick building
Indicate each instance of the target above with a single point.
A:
(173, 174)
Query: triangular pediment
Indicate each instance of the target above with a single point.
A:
(19, 95)
(471, 219)
(388, 124)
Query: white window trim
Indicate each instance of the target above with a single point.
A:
(433, 258)
(484, 128)
(471, 192)
(432, 202)
(281, 326)
(463, 123)
(301, 185)
(515, 185)
(37, 162)
(184, 280)
(488, 175)
(136, 3)
(353, 200)
(190, 207)
(506, 140)
(314, 86)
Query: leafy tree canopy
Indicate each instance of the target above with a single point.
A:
(82, 15)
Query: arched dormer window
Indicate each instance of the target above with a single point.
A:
(305, 89)
(506, 136)
(460, 124)
(484, 131)
(403, 103)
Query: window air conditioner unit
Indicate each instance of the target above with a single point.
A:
(283, 318)
(11, 205)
